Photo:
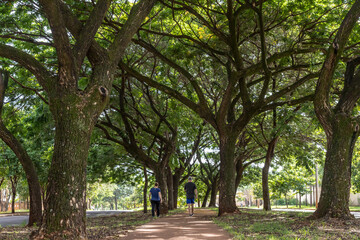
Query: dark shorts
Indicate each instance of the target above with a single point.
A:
(190, 200)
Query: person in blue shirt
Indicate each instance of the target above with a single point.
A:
(155, 199)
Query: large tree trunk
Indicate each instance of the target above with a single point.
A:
(145, 193)
(1, 202)
(227, 175)
(65, 209)
(335, 189)
(265, 173)
(239, 172)
(340, 128)
(170, 188)
(206, 197)
(176, 183)
(115, 202)
(14, 182)
(214, 191)
(161, 177)
(7, 199)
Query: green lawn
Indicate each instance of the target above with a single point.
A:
(17, 211)
(352, 208)
(254, 224)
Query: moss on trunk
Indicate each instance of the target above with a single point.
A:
(227, 175)
(335, 190)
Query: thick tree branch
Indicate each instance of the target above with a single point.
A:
(291, 88)
(171, 92)
(180, 69)
(321, 102)
(67, 73)
(351, 91)
(30, 63)
(133, 23)
(86, 35)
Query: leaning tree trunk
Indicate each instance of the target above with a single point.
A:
(214, 191)
(35, 213)
(227, 175)
(335, 189)
(239, 172)
(265, 174)
(206, 197)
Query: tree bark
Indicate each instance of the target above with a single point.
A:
(214, 191)
(265, 173)
(14, 181)
(65, 210)
(227, 175)
(335, 189)
(161, 177)
(176, 183)
(170, 186)
(7, 198)
(340, 128)
(207, 193)
(115, 201)
(145, 193)
(1, 202)
(239, 172)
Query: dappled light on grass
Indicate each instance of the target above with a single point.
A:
(103, 227)
(252, 224)
(15, 232)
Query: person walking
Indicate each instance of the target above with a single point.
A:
(191, 195)
(155, 199)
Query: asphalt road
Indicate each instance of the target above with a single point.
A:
(23, 220)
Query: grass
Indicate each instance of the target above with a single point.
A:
(102, 227)
(352, 208)
(17, 211)
(254, 224)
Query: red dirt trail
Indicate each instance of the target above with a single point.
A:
(180, 227)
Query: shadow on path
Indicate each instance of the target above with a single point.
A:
(182, 227)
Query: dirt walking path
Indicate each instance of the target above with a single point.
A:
(182, 227)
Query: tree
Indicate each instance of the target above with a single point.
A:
(35, 214)
(338, 122)
(74, 110)
(209, 174)
(225, 67)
